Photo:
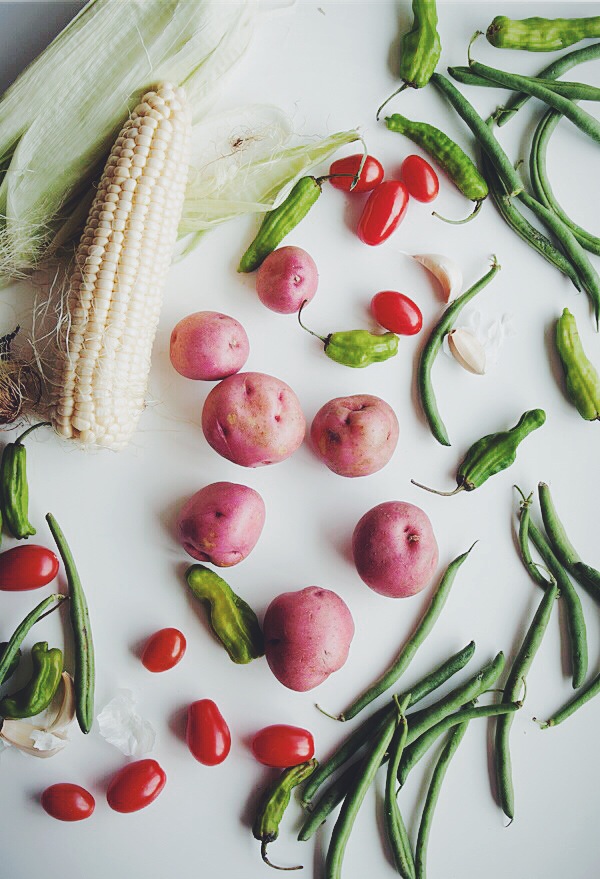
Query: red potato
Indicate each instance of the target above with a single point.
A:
(307, 636)
(287, 278)
(221, 523)
(355, 436)
(253, 419)
(208, 345)
(395, 550)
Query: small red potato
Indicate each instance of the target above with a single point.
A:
(221, 523)
(355, 436)
(208, 345)
(253, 419)
(395, 550)
(307, 636)
(287, 278)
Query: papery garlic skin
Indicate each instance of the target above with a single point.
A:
(467, 350)
(446, 271)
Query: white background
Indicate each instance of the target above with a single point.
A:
(326, 64)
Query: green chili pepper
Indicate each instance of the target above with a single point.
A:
(356, 348)
(82, 632)
(39, 691)
(279, 222)
(541, 34)
(14, 491)
(13, 663)
(448, 155)
(491, 454)
(231, 619)
(273, 805)
(582, 379)
(421, 48)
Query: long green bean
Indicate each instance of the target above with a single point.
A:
(525, 518)
(432, 797)
(328, 801)
(12, 648)
(584, 695)
(394, 823)
(405, 656)
(517, 675)
(574, 91)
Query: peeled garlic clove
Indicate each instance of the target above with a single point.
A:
(467, 350)
(445, 270)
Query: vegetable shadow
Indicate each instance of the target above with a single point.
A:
(177, 722)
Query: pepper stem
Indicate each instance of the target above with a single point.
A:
(263, 854)
(468, 219)
(316, 335)
(387, 100)
(19, 439)
(435, 491)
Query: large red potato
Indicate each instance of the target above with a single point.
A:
(307, 636)
(355, 436)
(253, 419)
(395, 550)
(221, 523)
(208, 345)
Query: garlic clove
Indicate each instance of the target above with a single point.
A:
(467, 350)
(447, 272)
(66, 711)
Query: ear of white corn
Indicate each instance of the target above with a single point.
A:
(115, 292)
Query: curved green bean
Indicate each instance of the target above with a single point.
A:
(353, 801)
(525, 518)
(394, 823)
(423, 743)
(357, 739)
(405, 656)
(584, 695)
(575, 619)
(327, 802)
(431, 350)
(517, 675)
(575, 91)
(12, 648)
(432, 797)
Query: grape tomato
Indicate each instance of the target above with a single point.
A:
(397, 313)
(370, 176)
(135, 786)
(420, 178)
(163, 650)
(68, 802)
(383, 212)
(207, 733)
(27, 567)
(281, 745)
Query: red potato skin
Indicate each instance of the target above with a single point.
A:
(221, 523)
(253, 419)
(356, 435)
(307, 636)
(209, 346)
(395, 550)
(287, 278)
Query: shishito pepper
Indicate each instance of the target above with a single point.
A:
(232, 620)
(491, 454)
(538, 34)
(39, 691)
(582, 379)
(14, 490)
(273, 805)
(356, 348)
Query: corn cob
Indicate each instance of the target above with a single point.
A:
(115, 292)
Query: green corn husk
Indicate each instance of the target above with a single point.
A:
(60, 117)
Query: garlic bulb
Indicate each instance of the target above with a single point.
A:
(447, 272)
(467, 350)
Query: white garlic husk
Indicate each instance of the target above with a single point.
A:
(43, 740)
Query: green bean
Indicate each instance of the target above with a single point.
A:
(541, 184)
(353, 801)
(525, 518)
(562, 546)
(575, 91)
(584, 695)
(394, 824)
(357, 739)
(82, 632)
(579, 117)
(431, 349)
(575, 619)
(327, 802)
(522, 227)
(423, 743)
(552, 71)
(433, 793)
(405, 656)
(516, 678)
(12, 648)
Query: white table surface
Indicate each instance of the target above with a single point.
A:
(325, 63)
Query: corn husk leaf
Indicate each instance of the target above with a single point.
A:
(59, 118)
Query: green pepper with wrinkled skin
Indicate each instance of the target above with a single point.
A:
(582, 379)
(538, 34)
(356, 348)
(231, 619)
(14, 661)
(273, 805)
(491, 454)
(14, 490)
(39, 691)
